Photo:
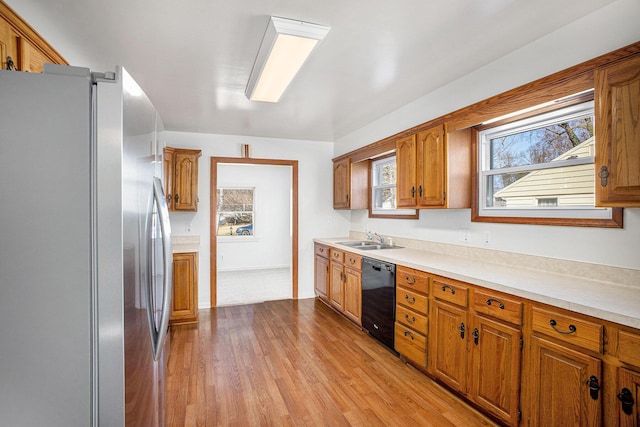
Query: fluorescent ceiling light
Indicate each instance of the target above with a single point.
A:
(285, 47)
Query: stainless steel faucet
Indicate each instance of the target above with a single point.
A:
(380, 238)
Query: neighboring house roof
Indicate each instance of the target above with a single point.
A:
(572, 185)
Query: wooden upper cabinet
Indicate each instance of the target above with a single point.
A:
(181, 178)
(434, 169)
(26, 48)
(406, 167)
(431, 167)
(617, 162)
(350, 184)
(341, 183)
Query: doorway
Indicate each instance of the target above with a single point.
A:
(236, 221)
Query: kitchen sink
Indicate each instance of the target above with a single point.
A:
(367, 245)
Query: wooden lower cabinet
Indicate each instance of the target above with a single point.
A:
(628, 393)
(321, 271)
(521, 362)
(448, 344)
(560, 384)
(345, 284)
(353, 295)
(184, 308)
(336, 284)
(495, 371)
(412, 304)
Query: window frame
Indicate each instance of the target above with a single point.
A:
(569, 216)
(386, 213)
(235, 237)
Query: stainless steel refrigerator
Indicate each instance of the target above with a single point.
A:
(85, 260)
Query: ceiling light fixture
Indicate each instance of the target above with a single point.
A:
(285, 47)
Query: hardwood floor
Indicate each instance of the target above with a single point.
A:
(297, 363)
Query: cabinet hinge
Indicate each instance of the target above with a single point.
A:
(519, 415)
(521, 343)
(444, 195)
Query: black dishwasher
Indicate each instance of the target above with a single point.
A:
(379, 299)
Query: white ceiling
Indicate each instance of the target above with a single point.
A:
(193, 57)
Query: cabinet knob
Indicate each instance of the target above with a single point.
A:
(461, 329)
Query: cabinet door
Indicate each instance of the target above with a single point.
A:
(448, 344)
(336, 281)
(185, 182)
(322, 277)
(7, 43)
(406, 155)
(184, 307)
(561, 386)
(617, 100)
(353, 295)
(341, 183)
(628, 393)
(168, 176)
(431, 167)
(495, 382)
(32, 59)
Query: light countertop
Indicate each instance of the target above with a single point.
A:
(182, 244)
(618, 303)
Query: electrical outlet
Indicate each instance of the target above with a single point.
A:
(187, 227)
(487, 238)
(465, 235)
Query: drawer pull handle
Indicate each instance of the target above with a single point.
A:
(413, 280)
(409, 334)
(352, 261)
(413, 299)
(571, 330)
(412, 320)
(453, 290)
(321, 250)
(626, 399)
(490, 300)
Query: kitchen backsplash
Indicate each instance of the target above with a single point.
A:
(603, 273)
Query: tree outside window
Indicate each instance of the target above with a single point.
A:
(235, 208)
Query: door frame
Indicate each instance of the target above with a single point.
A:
(213, 241)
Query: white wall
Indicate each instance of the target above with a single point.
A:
(316, 215)
(610, 28)
(270, 244)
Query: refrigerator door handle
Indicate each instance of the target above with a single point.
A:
(167, 256)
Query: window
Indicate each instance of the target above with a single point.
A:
(540, 167)
(235, 211)
(383, 190)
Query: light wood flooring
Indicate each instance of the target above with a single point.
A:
(297, 363)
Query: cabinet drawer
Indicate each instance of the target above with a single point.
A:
(629, 348)
(353, 261)
(451, 290)
(415, 280)
(337, 255)
(411, 345)
(411, 300)
(497, 306)
(411, 319)
(322, 250)
(569, 329)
